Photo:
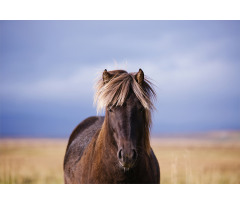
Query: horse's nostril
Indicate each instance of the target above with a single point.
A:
(120, 156)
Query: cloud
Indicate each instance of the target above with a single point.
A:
(195, 66)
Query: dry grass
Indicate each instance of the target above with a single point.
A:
(181, 160)
(31, 160)
(198, 161)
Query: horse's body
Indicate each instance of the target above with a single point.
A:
(97, 154)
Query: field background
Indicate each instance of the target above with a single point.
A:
(204, 158)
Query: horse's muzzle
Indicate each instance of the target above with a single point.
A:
(127, 158)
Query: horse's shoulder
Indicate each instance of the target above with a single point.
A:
(81, 137)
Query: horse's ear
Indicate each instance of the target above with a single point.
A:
(106, 76)
(140, 77)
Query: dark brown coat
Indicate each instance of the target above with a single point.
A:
(90, 159)
(115, 148)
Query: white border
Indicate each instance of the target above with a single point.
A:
(119, 10)
(178, 193)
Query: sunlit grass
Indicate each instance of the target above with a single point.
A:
(181, 160)
(31, 161)
(194, 161)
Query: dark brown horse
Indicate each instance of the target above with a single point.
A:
(115, 148)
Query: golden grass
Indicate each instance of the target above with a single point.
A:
(31, 160)
(198, 161)
(181, 160)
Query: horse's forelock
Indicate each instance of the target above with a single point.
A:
(116, 90)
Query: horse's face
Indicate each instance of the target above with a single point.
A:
(127, 125)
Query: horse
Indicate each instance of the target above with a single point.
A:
(115, 149)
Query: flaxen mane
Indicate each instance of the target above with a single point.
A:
(115, 92)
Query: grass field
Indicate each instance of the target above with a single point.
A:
(208, 160)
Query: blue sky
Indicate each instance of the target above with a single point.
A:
(48, 70)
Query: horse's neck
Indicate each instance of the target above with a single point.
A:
(106, 138)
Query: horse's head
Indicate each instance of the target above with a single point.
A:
(127, 101)
(127, 122)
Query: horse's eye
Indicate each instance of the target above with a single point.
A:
(141, 109)
(109, 109)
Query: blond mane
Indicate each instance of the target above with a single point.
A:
(115, 92)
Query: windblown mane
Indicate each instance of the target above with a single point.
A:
(115, 92)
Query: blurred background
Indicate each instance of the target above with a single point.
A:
(48, 70)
